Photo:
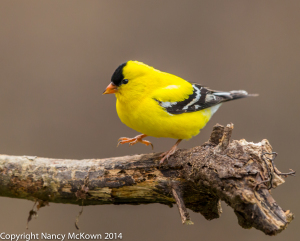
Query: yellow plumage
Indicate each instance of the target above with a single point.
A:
(137, 108)
(159, 104)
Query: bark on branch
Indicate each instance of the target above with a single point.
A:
(198, 178)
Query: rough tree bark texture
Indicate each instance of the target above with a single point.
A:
(220, 169)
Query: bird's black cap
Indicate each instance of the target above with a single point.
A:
(118, 76)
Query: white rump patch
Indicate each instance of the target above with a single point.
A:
(215, 108)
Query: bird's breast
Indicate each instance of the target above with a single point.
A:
(147, 117)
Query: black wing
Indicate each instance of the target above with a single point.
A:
(201, 98)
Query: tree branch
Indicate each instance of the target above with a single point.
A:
(177, 194)
(198, 178)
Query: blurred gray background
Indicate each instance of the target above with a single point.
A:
(57, 57)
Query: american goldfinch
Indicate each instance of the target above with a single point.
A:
(160, 104)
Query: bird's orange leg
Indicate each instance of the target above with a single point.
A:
(169, 153)
(134, 140)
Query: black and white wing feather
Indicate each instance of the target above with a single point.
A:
(200, 99)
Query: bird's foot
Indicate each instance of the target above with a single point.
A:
(134, 140)
(169, 153)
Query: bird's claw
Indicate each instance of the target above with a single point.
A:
(147, 143)
(133, 141)
(169, 153)
(166, 155)
(124, 140)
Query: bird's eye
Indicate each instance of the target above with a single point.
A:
(124, 81)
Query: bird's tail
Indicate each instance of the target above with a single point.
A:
(234, 94)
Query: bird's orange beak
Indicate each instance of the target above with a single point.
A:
(110, 89)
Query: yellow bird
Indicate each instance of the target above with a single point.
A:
(160, 104)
